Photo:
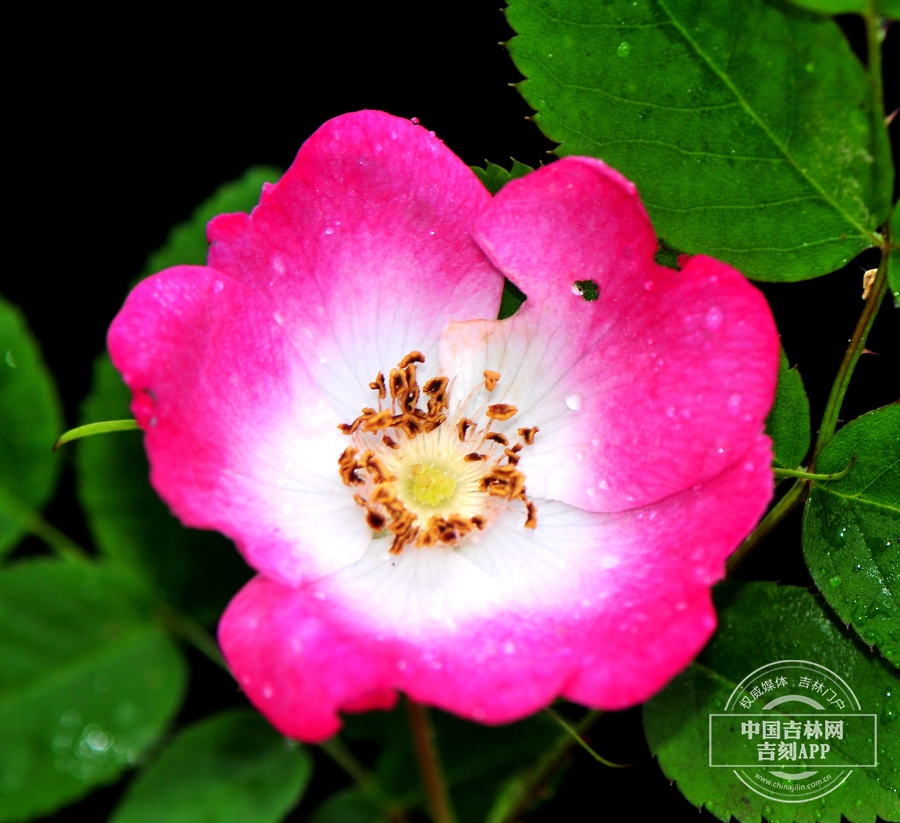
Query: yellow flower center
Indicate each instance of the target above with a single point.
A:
(426, 476)
(429, 485)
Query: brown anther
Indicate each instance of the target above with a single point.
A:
(503, 481)
(501, 411)
(474, 457)
(490, 379)
(411, 425)
(463, 428)
(398, 384)
(436, 385)
(383, 494)
(378, 385)
(348, 466)
(512, 457)
(379, 471)
(375, 520)
(349, 428)
(390, 442)
(411, 397)
(435, 422)
(360, 500)
(517, 448)
(412, 357)
(528, 434)
(379, 420)
(478, 521)
(497, 438)
(516, 486)
(531, 522)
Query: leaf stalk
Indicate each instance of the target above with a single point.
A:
(794, 495)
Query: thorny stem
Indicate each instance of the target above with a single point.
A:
(519, 794)
(852, 355)
(429, 764)
(770, 521)
(873, 47)
(829, 422)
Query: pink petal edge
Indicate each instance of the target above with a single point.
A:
(661, 383)
(363, 250)
(304, 655)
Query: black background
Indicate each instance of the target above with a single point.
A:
(120, 126)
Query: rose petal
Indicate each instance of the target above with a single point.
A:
(240, 439)
(635, 400)
(603, 610)
(363, 250)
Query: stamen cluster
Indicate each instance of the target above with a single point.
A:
(458, 475)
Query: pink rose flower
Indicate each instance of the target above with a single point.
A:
(482, 514)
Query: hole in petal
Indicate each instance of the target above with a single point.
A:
(588, 289)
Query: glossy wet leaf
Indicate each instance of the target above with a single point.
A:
(496, 177)
(762, 623)
(851, 528)
(229, 768)
(886, 8)
(788, 422)
(87, 681)
(476, 759)
(746, 124)
(30, 421)
(196, 570)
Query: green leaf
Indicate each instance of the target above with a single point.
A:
(851, 528)
(886, 8)
(229, 768)
(186, 243)
(759, 624)
(496, 177)
(894, 259)
(87, 681)
(348, 806)
(746, 125)
(513, 297)
(30, 421)
(667, 257)
(788, 422)
(196, 570)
